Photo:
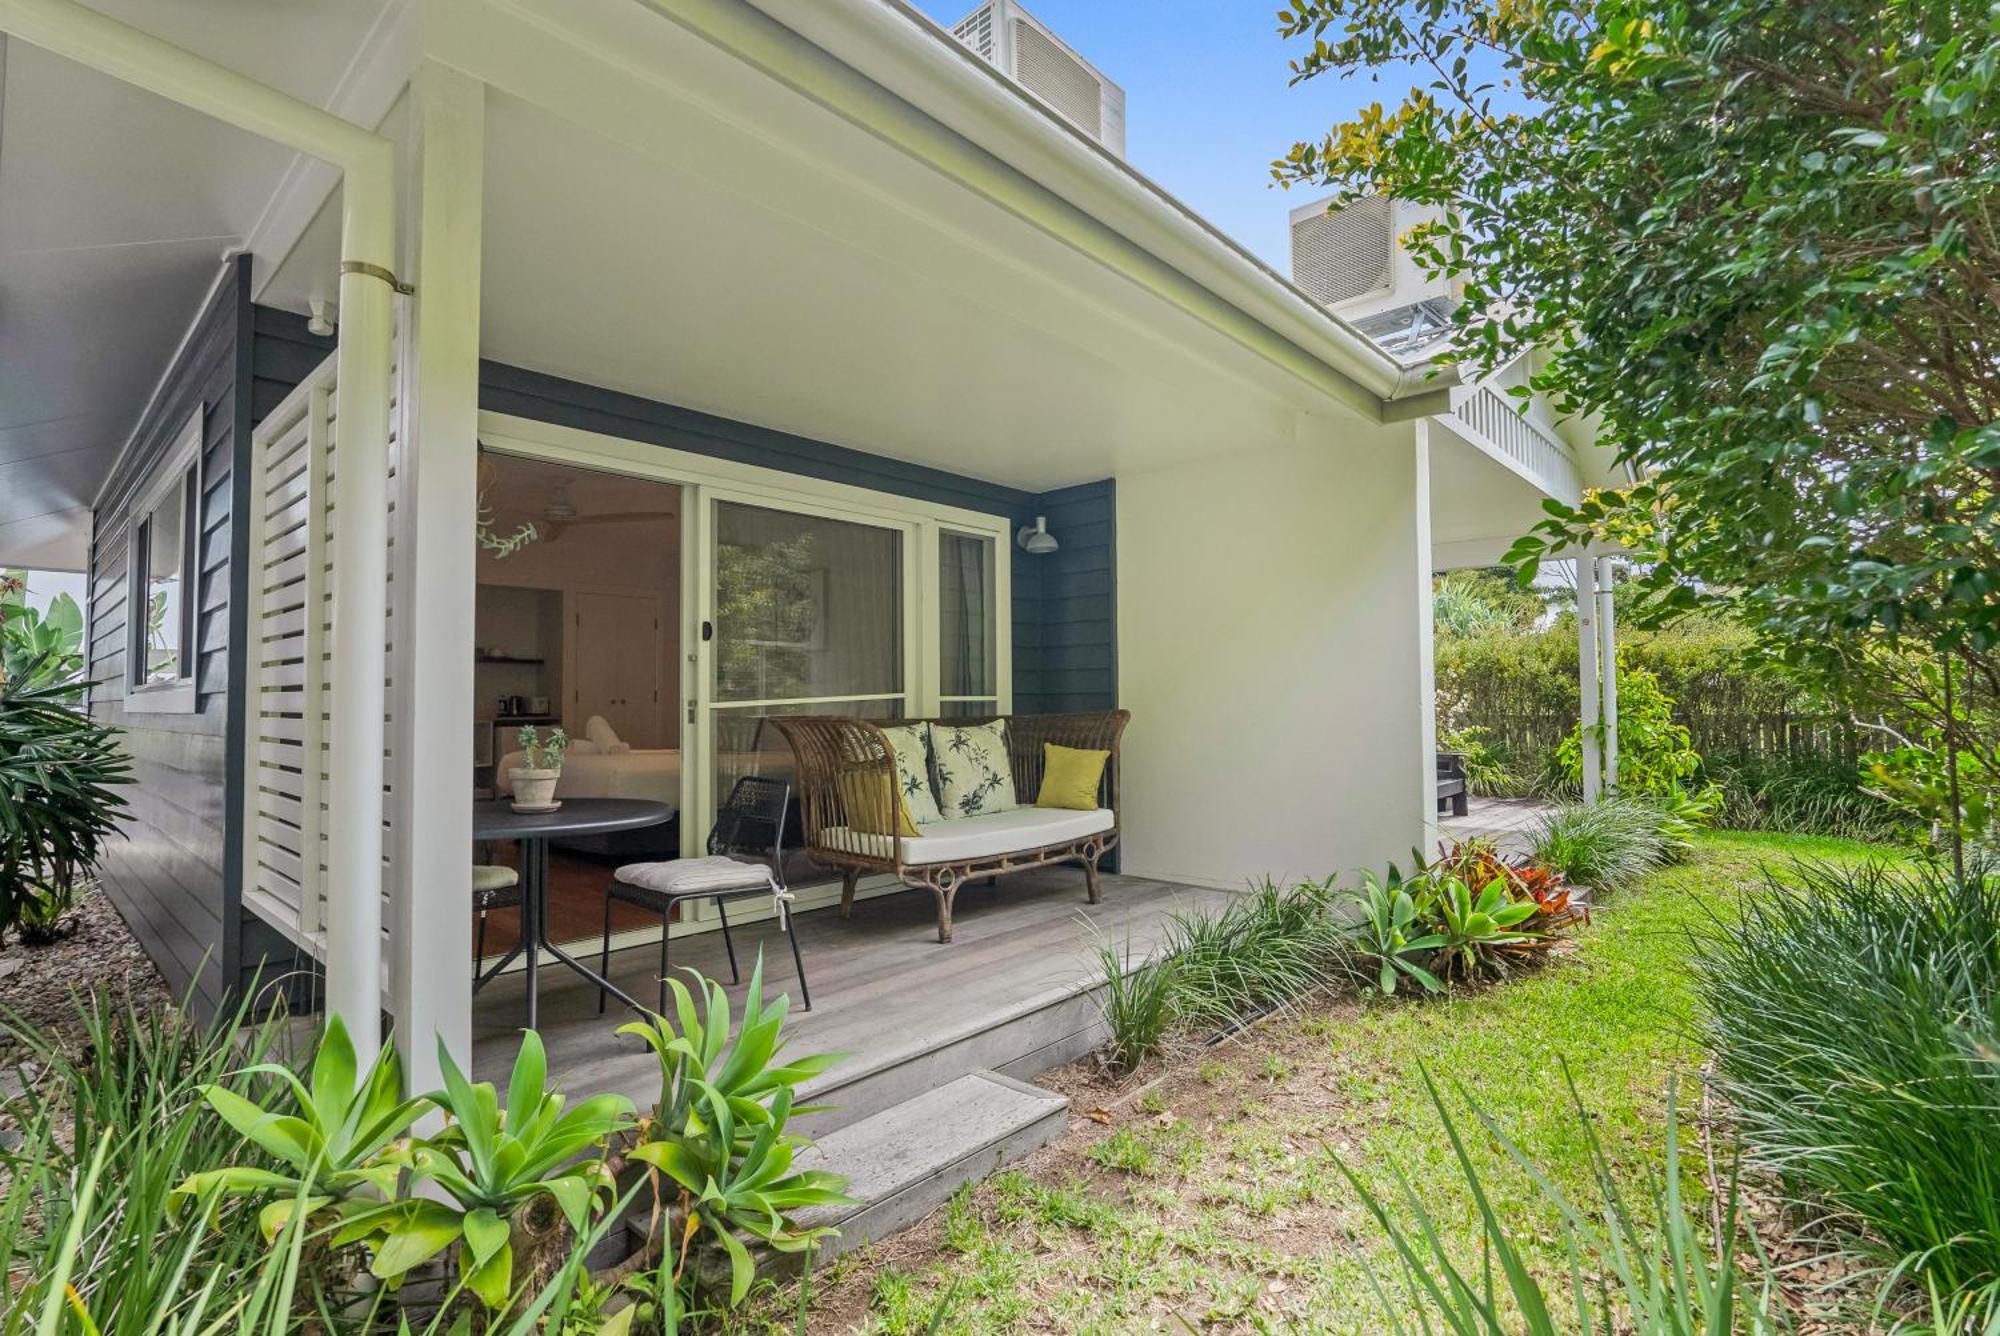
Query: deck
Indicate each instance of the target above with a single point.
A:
(1509, 822)
(1009, 995)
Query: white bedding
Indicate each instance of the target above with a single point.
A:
(652, 774)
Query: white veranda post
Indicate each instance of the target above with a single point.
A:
(1588, 685)
(1607, 670)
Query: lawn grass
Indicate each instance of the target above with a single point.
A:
(1214, 1201)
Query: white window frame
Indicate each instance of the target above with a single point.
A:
(179, 474)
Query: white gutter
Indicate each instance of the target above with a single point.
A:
(894, 59)
(360, 548)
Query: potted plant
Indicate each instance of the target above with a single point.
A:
(535, 783)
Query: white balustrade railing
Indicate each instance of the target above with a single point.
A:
(1497, 423)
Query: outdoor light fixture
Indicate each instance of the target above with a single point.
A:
(1038, 540)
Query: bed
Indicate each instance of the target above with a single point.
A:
(650, 773)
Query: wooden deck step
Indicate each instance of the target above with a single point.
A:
(903, 1162)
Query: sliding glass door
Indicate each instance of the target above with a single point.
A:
(808, 614)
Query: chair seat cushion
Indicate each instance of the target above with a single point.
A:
(696, 876)
(487, 878)
(1016, 830)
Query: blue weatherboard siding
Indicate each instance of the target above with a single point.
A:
(1065, 604)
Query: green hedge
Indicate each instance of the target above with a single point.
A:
(1521, 689)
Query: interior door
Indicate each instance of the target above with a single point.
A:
(618, 669)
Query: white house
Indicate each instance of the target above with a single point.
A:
(714, 294)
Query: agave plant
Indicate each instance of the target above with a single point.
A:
(718, 1134)
(1476, 924)
(503, 1170)
(331, 1138)
(1389, 933)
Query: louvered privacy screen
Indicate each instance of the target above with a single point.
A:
(1058, 78)
(1336, 256)
(294, 454)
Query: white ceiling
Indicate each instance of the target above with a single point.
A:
(116, 208)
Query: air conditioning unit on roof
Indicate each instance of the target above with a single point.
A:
(1023, 48)
(1352, 259)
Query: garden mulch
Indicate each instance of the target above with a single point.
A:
(98, 956)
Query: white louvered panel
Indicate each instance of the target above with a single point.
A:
(1339, 256)
(285, 812)
(296, 458)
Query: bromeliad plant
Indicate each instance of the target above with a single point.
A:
(717, 1143)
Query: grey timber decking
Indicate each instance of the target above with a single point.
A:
(1009, 995)
(1508, 821)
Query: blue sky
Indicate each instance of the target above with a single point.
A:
(1208, 103)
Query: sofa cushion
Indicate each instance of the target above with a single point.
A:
(975, 778)
(1014, 831)
(910, 745)
(1070, 777)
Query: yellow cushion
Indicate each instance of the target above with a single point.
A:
(865, 793)
(1070, 777)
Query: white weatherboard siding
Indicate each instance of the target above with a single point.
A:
(1272, 627)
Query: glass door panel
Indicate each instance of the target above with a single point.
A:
(809, 618)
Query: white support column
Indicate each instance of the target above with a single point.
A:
(1607, 659)
(1426, 636)
(432, 943)
(1588, 686)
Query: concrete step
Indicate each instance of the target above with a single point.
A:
(902, 1163)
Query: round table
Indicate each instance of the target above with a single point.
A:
(496, 819)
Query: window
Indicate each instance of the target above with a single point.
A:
(968, 669)
(166, 534)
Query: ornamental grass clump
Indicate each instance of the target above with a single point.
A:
(1602, 845)
(1852, 1012)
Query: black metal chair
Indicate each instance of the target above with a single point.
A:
(751, 822)
(493, 887)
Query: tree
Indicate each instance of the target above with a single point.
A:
(1756, 239)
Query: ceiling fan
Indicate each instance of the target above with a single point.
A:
(561, 513)
(558, 514)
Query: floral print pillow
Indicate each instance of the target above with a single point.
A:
(975, 777)
(913, 772)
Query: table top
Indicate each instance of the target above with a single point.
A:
(496, 819)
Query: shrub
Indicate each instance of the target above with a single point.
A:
(1807, 795)
(58, 797)
(1655, 754)
(1601, 845)
(1852, 1012)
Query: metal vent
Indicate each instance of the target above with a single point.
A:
(976, 31)
(1336, 256)
(1058, 78)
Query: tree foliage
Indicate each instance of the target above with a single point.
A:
(1758, 241)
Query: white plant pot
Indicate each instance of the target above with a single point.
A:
(533, 788)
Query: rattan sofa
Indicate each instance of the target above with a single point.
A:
(843, 763)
